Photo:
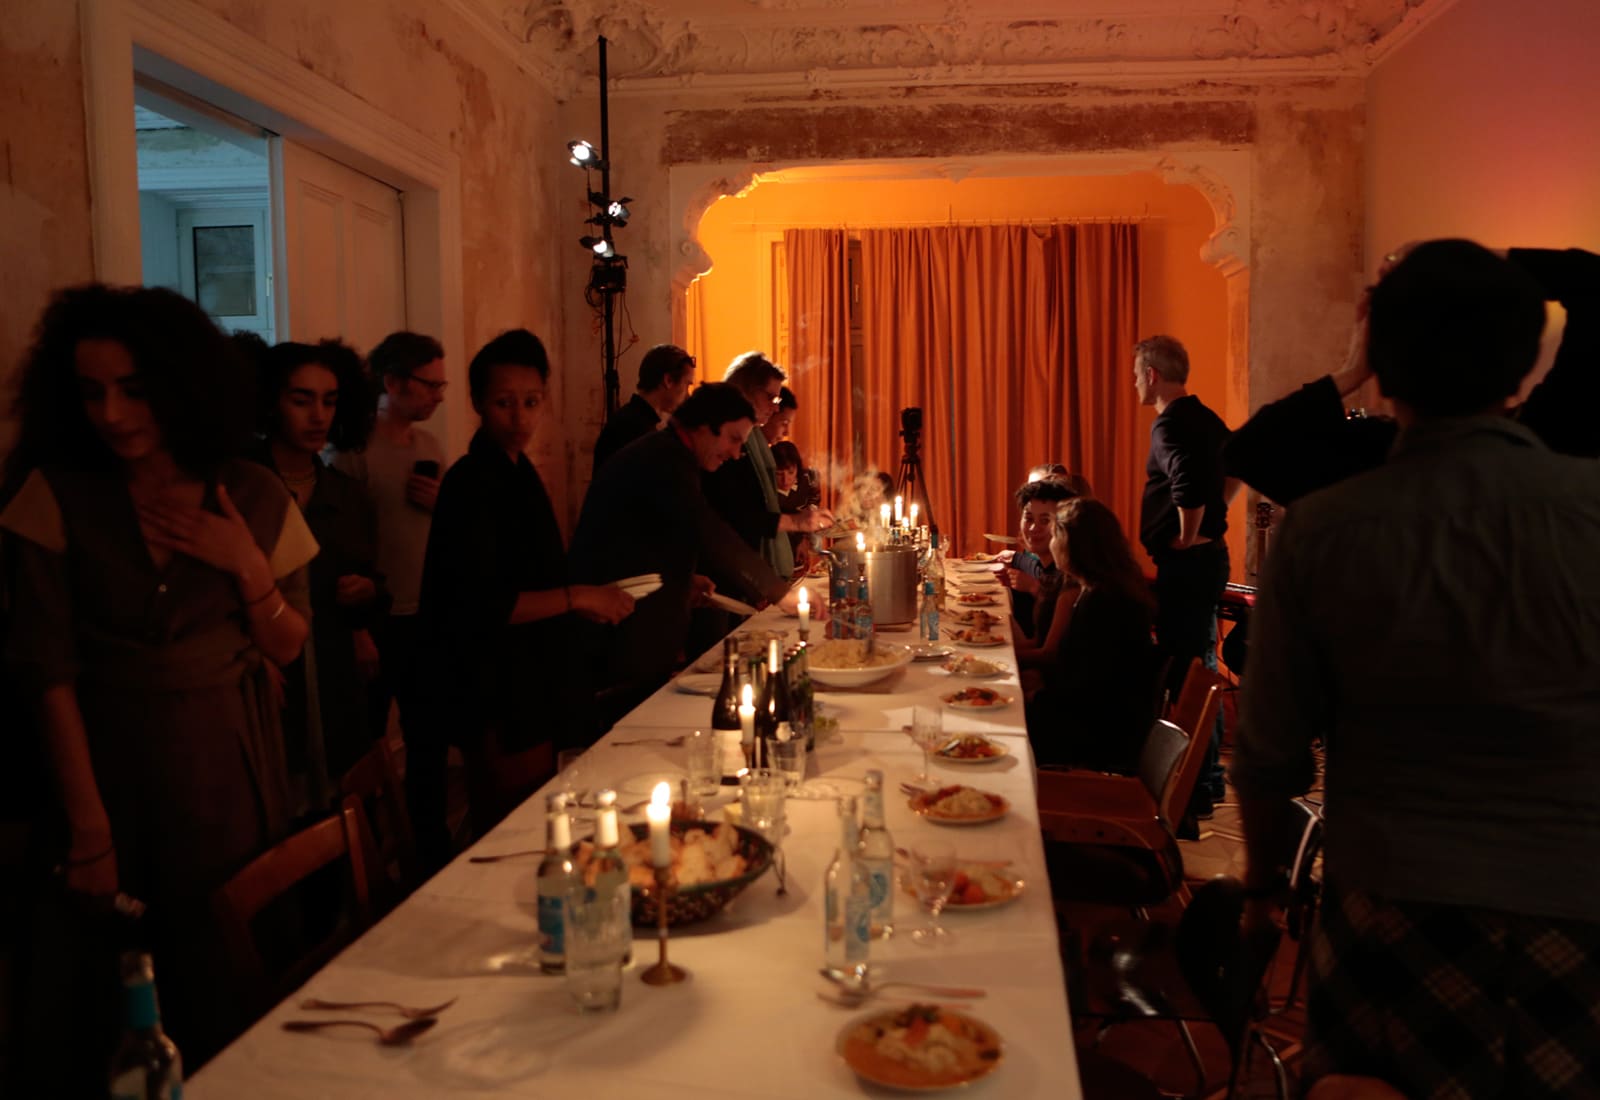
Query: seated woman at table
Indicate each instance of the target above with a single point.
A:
(1099, 697)
(496, 604)
(154, 574)
(1039, 619)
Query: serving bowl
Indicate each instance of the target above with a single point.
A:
(692, 904)
(859, 675)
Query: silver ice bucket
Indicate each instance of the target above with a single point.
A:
(891, 580)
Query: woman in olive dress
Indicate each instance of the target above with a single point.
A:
(155, 574)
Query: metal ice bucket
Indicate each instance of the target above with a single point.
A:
(891, 579)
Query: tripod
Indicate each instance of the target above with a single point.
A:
(910, 482)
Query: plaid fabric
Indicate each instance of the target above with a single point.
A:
(1449, 1003)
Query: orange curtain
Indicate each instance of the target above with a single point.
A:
(1016, 343)
(817, 274)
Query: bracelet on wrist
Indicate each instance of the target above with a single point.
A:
(283, 605)
(87, 860)
(264, 597)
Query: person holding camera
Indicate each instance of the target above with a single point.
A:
(400, 469)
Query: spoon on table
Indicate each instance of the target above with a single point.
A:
(388, 1036)
(669, 742)
(316, 1003)
(855, 990)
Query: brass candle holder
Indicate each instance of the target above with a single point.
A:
(663, 972)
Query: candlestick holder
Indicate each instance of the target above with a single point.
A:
(805, 634)
(663, 972)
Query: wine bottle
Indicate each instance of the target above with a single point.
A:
(877, 856)
(725, 712)
(774, 705)
(558, 876)
(847, 901)
(610, 870)
(147, 1065)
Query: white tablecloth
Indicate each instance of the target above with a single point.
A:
(747, 1024)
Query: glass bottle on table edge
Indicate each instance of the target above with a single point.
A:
(609, 870)
(865, 630)
(928, 617)
(725, 712)
(841, 614)
(847, 901)
(802, 699)
(876, 852)
(557, 877)
(147, 1065)
(773, 707)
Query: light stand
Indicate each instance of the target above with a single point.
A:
(910, 483)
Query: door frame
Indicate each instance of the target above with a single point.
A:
(199, 53)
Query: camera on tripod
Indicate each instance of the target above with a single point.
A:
(910, 424)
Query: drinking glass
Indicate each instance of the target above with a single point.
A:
(704, 751)
(789, 760)
(763, 801)
(927, 733)
(572, 771)
(595, 933)
(933, 874)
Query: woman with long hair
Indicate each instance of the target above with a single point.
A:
(312, 396)
(155, 574)
(1099, 697)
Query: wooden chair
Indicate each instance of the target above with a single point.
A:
(1110, 838)
(389, 849)
(275, 874)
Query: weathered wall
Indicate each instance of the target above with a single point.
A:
(44, 180)
(415, 60)
(1304, 140)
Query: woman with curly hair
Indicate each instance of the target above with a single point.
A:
(312, 396)
(1098, 700)
(155, 574)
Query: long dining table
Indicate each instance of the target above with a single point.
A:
(748, 1023)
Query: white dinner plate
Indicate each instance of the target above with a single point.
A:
(698, 683)
(955, 702)
(930, 651)
(978, 599)
(640, 589)
(1007, 540)
(642, 578)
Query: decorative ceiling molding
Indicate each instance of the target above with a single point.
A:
(778, 45)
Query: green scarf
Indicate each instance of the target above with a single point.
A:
(776, 550)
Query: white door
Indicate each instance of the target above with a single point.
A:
(224, 264)
(343, 249)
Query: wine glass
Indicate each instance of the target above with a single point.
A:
(933, 874)
(927, 733)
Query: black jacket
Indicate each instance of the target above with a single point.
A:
(637, 418)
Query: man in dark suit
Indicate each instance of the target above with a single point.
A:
(664, 376)
(646, 513)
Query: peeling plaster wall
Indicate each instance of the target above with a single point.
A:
(1305, 140)
(415, 60)
(44, 179)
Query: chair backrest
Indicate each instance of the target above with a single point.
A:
(390, 847)
(1185, 712)
(1303, 887)
(1164, 747)
(1174, 799)
(273, 875)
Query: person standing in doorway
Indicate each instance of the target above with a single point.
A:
(1181, 524)
(400, 469)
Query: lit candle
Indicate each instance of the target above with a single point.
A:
(883, 514)
(659, 813)
(912, 522)
(861, 542)
(804, 608)
(747, 719)
(899, 510)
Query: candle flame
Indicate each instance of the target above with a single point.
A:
(805, 599)
(861, 542)
(746, 697)
(662, 795)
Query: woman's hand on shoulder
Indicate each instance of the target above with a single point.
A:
(222, 541)
(604, 603)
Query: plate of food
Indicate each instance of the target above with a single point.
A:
(980, 885)
(977, 667)
(975, 617)
(930, 651)
(976, 599)
(1003, 540)
(959, 805)
(972, 748)
(920, 1048)
(973, 568)
(977, 698)
(982, 558)
(841, 662)
(983, 639)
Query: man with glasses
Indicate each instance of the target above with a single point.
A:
(400, 469)
(665, 374)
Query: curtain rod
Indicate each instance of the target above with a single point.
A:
(1130, 219)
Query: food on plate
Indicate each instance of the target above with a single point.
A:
(981, 557)
(976, 697)
(920, 1046)
(698, 855)
(971, 746)
(971, 666)
(979, 618)
(975, 598)
(980, 885)
(977, 637)
(843, 653)
(959, 801)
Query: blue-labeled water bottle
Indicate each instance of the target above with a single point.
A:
(147, 1065)
(558, 876)
(876, 854)
(847, 905)
(928, 617)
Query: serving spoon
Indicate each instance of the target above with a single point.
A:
(387, 1036)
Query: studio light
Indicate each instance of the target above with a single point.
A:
(617, 212)
(599, 246)
(583, 154)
